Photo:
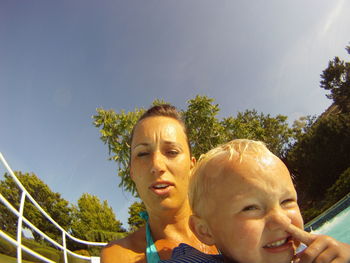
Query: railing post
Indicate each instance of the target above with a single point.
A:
(19, 228)
(64, 247)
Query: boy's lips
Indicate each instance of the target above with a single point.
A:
(161, 187)
(279, 245)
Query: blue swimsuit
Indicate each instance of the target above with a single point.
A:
(187, 254)
(151, 250)
(181, 254)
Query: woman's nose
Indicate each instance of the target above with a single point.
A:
(158, 163)
(278, 219)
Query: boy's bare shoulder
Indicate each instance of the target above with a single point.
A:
(128, 249)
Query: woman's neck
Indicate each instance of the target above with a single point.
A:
(171, 228)
(170, 224)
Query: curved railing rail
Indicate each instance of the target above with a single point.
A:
(19, 213)
(328, 214)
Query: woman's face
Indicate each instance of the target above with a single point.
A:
(160, 162)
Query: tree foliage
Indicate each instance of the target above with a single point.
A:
(336, 79)
(320, 156)
(91, 215)
(57, 207)
(339, 189)
(302, 126)
(115, 131)
(205, 131)
(274, 131)
(94, 220)
(135, 221)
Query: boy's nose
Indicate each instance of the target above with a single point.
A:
(278, 219)
(158, 164)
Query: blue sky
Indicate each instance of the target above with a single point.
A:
(60, 60)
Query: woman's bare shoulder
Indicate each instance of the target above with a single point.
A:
(129, 249)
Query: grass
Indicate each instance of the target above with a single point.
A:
(8, 259)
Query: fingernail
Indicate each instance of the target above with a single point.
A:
(300, 248)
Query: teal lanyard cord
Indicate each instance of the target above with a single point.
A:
(151, 250)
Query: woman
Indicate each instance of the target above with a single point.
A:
(160, 165)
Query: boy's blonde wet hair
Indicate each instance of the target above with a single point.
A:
(200, 181)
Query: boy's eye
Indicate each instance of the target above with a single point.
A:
(289, 201)
(250, 208)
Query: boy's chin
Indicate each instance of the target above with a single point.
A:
(228, 260)
(286, 258)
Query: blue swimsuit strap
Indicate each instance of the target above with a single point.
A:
(151, 250)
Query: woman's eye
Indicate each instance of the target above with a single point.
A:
(140, 154)
(173, 152)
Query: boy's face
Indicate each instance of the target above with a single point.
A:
(251, 204)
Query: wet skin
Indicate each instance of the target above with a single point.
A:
(257, 204)
(161, 163)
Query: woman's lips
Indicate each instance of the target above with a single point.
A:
(161, 187)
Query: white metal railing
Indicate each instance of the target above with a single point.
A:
(21, 219)
(341, 202)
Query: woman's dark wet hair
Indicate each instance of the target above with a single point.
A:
(162, 110)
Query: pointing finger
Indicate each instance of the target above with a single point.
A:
(301, 235)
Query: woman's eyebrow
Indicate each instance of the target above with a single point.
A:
(141, 144)
(173, 143)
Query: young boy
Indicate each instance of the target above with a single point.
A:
(244, 202)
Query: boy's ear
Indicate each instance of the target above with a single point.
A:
(201, 229)
(193, 162)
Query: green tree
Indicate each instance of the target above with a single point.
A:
(302, 126)
(205, 131)
(115, 131)
(57, 207)
(336, 79)
(135, 221)
(91, 215)
(274, 131)
(320, 156)
(339, 189)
